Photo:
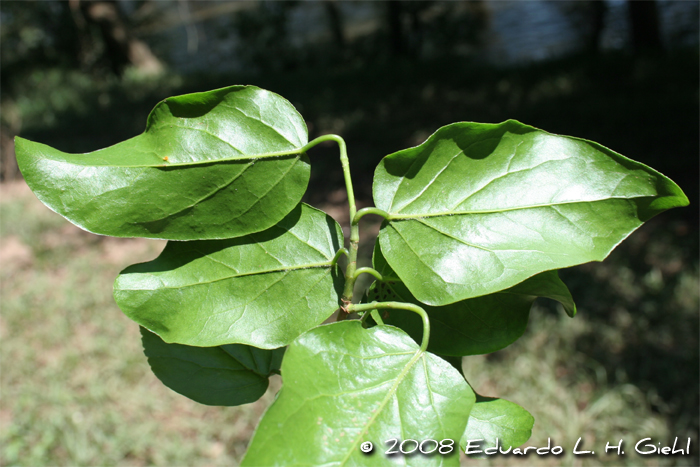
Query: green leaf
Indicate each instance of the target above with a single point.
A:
(215, 164)
(224, 375)
(473, 326)
(263, 289)
(345, 385)
(456, 362)
(478, 208)
(493, 418)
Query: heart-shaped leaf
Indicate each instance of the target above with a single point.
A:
(215, 164)
(263, 289)
(492, 419)
(478, 208)
(473, 326)
(345, 385)
(228, 375)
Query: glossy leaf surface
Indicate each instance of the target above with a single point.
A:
(478, 208)
(227, 375)
(493, 418)
(202, 169)
(344, 385)
(473, 326)
(263, 289)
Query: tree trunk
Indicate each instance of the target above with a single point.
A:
(121, 47)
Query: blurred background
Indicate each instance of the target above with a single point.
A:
(76, 388)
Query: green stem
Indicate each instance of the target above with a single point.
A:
(350, 275)
(399, 306)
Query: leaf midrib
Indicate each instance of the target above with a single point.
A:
(205, 197)
(327, 264)
(401, 217)
(390, 393)
(163, 164)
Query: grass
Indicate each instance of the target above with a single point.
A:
(569, 395)
(77, 390)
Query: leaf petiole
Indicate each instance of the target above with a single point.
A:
(345, 163)
(371, 271)
(369, 210)
(398, 306)
(338, 254)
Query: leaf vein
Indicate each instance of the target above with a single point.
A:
(430, 182)
(382, 405)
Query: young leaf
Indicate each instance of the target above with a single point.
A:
(215, 164)
(478, 208)
(263, 289)
(345, 385)
(493, 418)
(473, 326)
(225, 375)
